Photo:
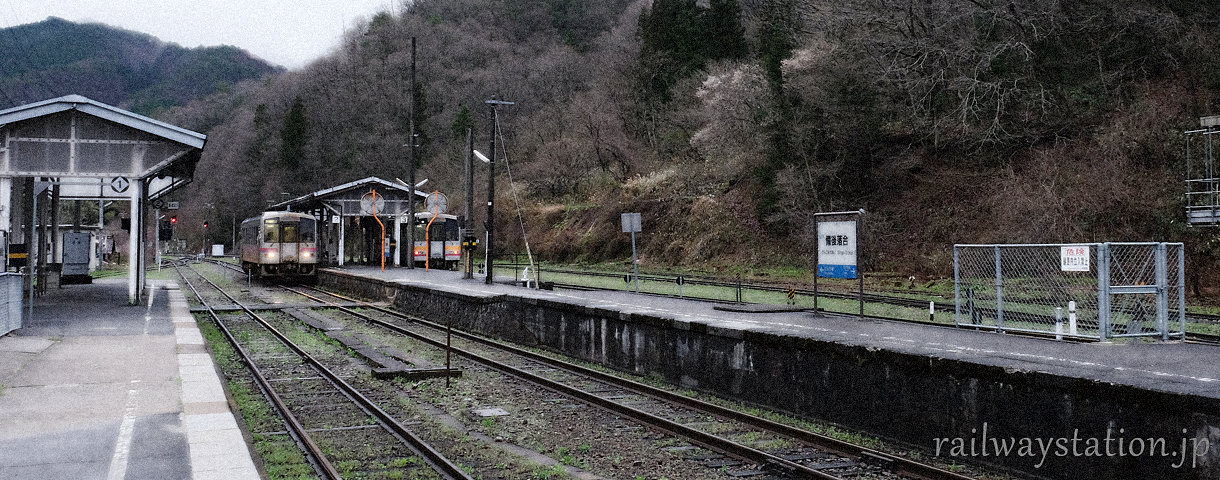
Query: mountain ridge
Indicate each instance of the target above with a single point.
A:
(127, 69)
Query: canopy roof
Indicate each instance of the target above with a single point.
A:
(344, 200)
(75, 137)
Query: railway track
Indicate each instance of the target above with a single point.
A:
(717, 437)
(343, 432)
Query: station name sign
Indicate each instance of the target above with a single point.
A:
(837, 249)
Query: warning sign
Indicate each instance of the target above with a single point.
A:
(1074, 258)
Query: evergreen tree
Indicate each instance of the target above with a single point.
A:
(294, 136)
(257, 153)
(462, 121)
(672, 38)
(775, 44)
(726, 39)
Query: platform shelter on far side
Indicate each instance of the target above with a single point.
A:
(355, 215)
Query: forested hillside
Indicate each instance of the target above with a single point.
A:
(729, 123)
(131, 70)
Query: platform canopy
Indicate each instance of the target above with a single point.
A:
(82, 149)
(105, 148)
(345, 200)
(357, 199)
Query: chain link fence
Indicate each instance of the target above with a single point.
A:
(1088, 291)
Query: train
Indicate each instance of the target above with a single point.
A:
(437, 241)
(280, 245)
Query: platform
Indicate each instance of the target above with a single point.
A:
(94, 388)
(933, 387)
(1172, 367)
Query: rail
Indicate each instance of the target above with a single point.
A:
(902, 466)
(425, 451)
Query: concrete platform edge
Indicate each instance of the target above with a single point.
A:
(893, 393)
(218, 450)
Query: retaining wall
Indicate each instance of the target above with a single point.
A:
(1059, 427)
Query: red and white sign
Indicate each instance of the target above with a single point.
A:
(1074, 258)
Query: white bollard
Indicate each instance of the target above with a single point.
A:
(1058, 323)
(931, 311)
(1072, 317)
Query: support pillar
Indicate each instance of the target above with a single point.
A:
(342, 239)
(135, 252)
(398, 241)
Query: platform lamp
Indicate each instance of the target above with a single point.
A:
(491, 186)
(469, 243)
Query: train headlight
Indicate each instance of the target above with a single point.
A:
(271, 255)
(306, 254)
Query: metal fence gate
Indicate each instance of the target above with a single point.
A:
(1086, 290)
(10, 302)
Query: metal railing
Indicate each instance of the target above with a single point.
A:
(894, 301)
(1088, 290)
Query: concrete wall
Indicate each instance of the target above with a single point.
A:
(908, 398)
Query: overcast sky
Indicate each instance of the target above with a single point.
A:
(289, 33)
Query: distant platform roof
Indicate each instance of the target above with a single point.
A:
(74, 137)
(345, 199)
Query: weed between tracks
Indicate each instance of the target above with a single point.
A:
(281, 458)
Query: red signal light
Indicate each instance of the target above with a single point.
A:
(173, 220)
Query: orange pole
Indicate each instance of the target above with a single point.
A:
(428, 241)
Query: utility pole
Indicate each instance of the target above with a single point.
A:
(467, 238)
(491, 186)
(411, 168)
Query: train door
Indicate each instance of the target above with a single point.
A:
(290, 235)
(453, 243)
(436, 249)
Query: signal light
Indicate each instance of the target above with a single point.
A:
(173, 220)
(205, 224)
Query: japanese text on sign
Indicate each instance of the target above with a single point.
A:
(1074, 258)
(837, 249)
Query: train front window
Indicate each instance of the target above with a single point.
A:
(291, 232)
(271, 231)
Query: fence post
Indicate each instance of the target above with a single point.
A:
(1103, 291)
(957, 289)
(1162, 290)
(1182, 289)
(1072, 317)
(999, 292)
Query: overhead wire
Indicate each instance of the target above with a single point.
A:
(529, 254)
